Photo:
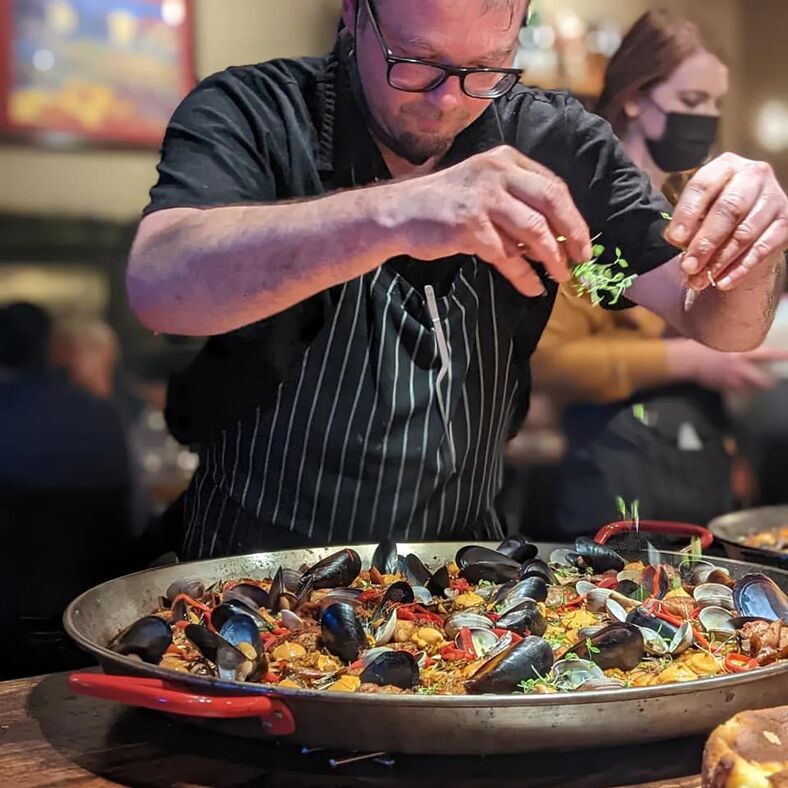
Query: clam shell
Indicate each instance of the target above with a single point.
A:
(569, 674)
(717, 621)
(713, 595)
(682, 640)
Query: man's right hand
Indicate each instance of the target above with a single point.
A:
(499, 205)
(738, 372)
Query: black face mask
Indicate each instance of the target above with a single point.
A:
(686, 143)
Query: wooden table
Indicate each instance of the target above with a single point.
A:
(50, 737)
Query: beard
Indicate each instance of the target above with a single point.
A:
(418, 148)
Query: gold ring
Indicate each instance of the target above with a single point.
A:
(711, 278)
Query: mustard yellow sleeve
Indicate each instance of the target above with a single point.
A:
(584, 356)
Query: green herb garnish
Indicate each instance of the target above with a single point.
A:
(666, 216)
(592, 649)
(603, 279)
(639, 412)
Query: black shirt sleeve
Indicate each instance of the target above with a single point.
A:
(215, 151)
(615, 197)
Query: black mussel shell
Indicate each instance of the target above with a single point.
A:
(241, 629)
(655, 580)
(238, 630)
(385, 558)
(342, 633)
(188, 586)
(349, 596)
(598, 556)
(148, 638)
(414, 570)
(491, 572)
(251, 595)
(616, 646)
(291, 579)
(337, 570)
(474, 554)
(231, 664)
(204, 640)
(392, 669)
(399, 593)
(503, 592)
(525, 618)
(439, 582)
(532, 587)
(518, 548)
(529, 659)
(756, 595)
(535, 567)
(277, 591)
(631, 589)
(640, 617)
(235, 607)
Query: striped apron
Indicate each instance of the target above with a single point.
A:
(393, 425)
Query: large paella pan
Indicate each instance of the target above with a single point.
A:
(657, 650)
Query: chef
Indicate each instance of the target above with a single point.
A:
(373, 240)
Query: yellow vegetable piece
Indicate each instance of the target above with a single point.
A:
(677, 593)
(429, 636)
(345, 684)
(288, 651)
(288, 684)
(248, 650)
(577, 619)
(468, 600)
(326, 664)
(676, 672)
(702, 663)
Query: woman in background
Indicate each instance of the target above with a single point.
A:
(645, 419)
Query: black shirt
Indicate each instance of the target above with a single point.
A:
(292, 129)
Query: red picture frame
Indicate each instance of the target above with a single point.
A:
(93, 72)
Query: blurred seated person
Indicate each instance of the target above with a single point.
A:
(64, 494)
(644, 416)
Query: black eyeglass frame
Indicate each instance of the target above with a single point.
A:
(448, 71)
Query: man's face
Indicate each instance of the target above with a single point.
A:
(468, 33)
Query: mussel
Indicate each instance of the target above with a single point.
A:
(758, 596)
(148, 638)
(525, 617)
(518, 548)
(386, 558)
(190, 587)
(616, 646)
(531, 658)
(342, 633)
(338, 569)
(439, 582)
(535, 567)
(475, 554)
(597, 556)
(400, 593)
(251, 595)
(655, 581)
(392, 669)
(235, 607)
(241, 660)
(640, 617)
(276, 593)
(533, 587)
(414, 570)
(491, 572)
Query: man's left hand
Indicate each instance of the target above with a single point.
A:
(732, 218)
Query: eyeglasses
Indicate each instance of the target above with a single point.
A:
(414, 75)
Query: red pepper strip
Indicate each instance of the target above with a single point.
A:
(740, 663)
(454, 654)
(608, 582)
(280, 631)
(375, 577)
(467, 640)
(460, 584)
(571, 605)
(268, 640)
(172, 649)
(272, 678)
(359, 663)
(370, 595)
(494, 617)
(677, 622)
(428, 663)
(423, 613)
(655, 586)
(405, 614)
(192, 603)
(694, 613)
(181, 624)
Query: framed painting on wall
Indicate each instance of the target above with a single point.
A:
(96, 71)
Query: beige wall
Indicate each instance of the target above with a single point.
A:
(114, 184)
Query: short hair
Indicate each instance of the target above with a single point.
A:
(25, 331)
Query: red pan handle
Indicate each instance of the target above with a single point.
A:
(657, 527)
(160, 695)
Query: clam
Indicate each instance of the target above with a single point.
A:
(458, 621)
(148, 638)
(598, 557)
(518, 548)
(291, 621)
(386, 558)
(682, 640)
(531, 658)
(570, 674)
(421, 595)
(717, 621)
(654, 643)
(483, 640)
(713, 595)
(563, 556)
(632, 590)
(616, 646)
(384, 633)
(525, 617)
(596, 600)
(616, 610)
(336, 570)
(758, 596)
(585, 587)
(392, 668)
(342, 633)
(695, 571)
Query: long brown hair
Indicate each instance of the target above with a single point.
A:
(655, 46)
